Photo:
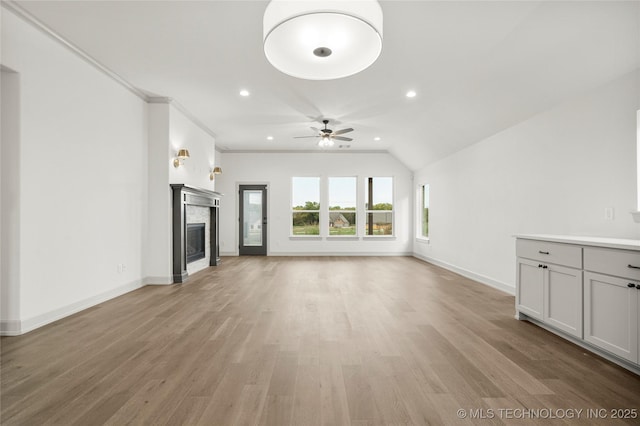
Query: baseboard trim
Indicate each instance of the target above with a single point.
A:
(10, 328)
(157, 280)
(324, 253)
(15, 328)
(340, 254)
(506, 288)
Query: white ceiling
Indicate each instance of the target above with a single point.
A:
(478, 67)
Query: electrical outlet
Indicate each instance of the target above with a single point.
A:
(608, 213)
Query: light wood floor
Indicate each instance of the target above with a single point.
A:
(305, 341)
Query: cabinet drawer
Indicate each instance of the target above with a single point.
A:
(612, 262)
(560, 254)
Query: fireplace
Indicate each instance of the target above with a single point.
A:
(194, 238)
(195, 241)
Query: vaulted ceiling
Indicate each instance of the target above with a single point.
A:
(478, 67)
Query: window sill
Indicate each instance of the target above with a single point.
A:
(423, 240)
(379, 237)
(306, 238)
(343, 238)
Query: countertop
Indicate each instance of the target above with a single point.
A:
(619, 243)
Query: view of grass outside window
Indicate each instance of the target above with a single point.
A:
(305, 214)
(342, 205)
(424, 210)
(379, 206)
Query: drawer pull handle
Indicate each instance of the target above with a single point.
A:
(633, 267)
(546, 252)
(539, 265)
(544, 266)
(631, 285)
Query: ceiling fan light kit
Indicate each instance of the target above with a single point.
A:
(327, 136)
(322, 40)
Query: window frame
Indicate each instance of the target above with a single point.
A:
(368, 211)
(292, 210)
(354, 211)
(420, 211)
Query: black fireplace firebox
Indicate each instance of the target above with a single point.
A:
(195, 242)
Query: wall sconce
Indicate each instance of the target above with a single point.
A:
(182, 155)
(216, 171)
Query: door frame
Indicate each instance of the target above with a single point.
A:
(254, 250)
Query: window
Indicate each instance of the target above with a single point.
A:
(424, 211)
(342, 206)
(379, 206)
(305, 206)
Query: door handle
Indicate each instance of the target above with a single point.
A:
(633, 267)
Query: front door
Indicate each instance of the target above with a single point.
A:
(253, 220)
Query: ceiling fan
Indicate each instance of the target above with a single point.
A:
(327, 136)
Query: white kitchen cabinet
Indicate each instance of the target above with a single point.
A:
(611, 314)
(611, 288)
(549, 284)
(588, 288)
(529, 296)
(563, 299)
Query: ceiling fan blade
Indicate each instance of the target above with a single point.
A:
(341, 138)
(315, 130)
(301, 137)
(343, 131)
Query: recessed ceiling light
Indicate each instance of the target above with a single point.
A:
(244, 93)
(411, 94)
(269, 138)
(377, 138)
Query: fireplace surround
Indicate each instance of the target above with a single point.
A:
(183, 196)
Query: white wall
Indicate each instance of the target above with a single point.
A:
(10, 200)
(83, 178)
(169, 131)
(201, 145)
(157, 244)
(552, 174)
(85, 181)
(276, 171)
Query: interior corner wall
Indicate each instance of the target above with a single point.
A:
(170, 130)
(10, 202)
(184, 133)
(552, 174)
(276, 170)
(157, 252)
(83, 178)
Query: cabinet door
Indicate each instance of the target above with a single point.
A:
(563, 299)
(611, 314)
(529, 288)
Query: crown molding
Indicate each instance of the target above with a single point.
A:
(36, 23)
(158, 100)
(19, 11)
(192, 117)
(300, 151)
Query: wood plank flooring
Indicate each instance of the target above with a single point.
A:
(308, 341)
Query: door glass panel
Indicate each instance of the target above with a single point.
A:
(252, 220)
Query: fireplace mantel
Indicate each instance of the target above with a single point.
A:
(184, 195)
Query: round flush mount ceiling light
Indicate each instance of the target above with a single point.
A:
(322, 40)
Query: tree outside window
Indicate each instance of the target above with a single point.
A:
(342, 206)
(305, 207)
